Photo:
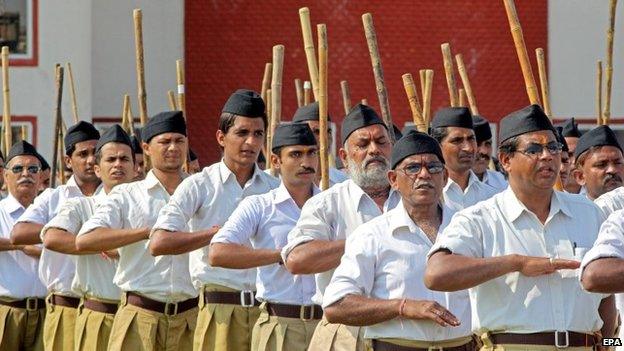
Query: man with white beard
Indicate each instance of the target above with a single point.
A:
(317, 242)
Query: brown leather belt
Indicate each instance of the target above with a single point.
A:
(167, 308)
(31, 303)
(243, 298)
(558, 339)
(99, 306)
(379, 345)
(65, 301)
(303, 312)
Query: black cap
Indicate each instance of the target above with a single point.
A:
(114, 134)
(287, 134)
(164, 122)
(561, 139)
(22, 148)
(569, 128)
(79, 132)
(408, 128)
(44, 164)
(414, 143)
(309, 112)
(359, 117)
(599, 136)
(529, 119)
(246, 103)
(192, 155)
(136, 145)
(397, 132)
(481, 128)
(452, 117)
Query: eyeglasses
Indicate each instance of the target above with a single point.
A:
(414, 168)
(31, 169)
(534, 149)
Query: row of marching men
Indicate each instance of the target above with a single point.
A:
(231, 258)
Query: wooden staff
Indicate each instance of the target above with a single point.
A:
(266, 81)
(171, 99)
(382, 93)
(412, 98)
(450, 74)
(463, 74)
(61, 148)
(308, 46)
(523, 56)
(299, 92)
(307, 92)
(365, 102)
(346, 96)
(72, 93)
(276, 94)
(58, 118)
(427, 98)
(180, 79)
(6, 108)
(140, 65)
(463, 99)
(543, 77)
(423, 77)
(125, 120)
(23, 132)
(129, 115)
(599, 92)
(606, 113)
(321, 30)
(269, 132)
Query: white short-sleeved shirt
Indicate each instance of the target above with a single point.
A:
(476, 191)
(19, 276)
(133, 206)
(266, 220)
(94, 273)
(56, 269)
(386, 259)
(332, 215)
(495, 179)
(611, 201)
(206, 199)
(516, 303)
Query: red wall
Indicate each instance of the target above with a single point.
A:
(227, 44)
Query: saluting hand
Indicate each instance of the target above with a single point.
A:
(534, 266)
(422, 309)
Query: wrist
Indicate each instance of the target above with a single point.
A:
(401, 307)
(515, 262)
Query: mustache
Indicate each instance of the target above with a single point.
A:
(375, 159)
(26, 181)
(423, 184)
(611, 176)
(481, 156)
(306, 170)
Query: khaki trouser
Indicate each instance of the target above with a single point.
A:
(223, 327)
(435, 345)
(338, 337)
(139, 329)
(21, 329)
(272, 333)
(93, 329)
(59, 326)
(488, 346)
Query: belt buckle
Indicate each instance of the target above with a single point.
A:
(32, 304)
(567, 339)
(435, 348)
(243, 300)
(175, 309)
(302, 313)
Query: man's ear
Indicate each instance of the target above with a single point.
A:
(505, 160)
(220, 136)
(67, 160)
(392, 178)
(579, 176)
(342, 153)
(275, 161)
(146, 148)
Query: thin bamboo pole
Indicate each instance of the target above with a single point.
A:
(412, 98)
(427, 98)
(181, 105)
(140, 70)
(346, 96)
(606, 113)
(307, 92)
(308, 46)
(57, 124)
(266, 80)
(321, 30)
(450, 74)
(299, 92)
(463, 74)
(599, 92)
(6, 107)
(543, 77)
(72, 93)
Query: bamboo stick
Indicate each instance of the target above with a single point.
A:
(72, 93)
(181, 94)
(382, 93)
(6, 107)
(269, 132)
(450, 74)
(62, 177)
(125, 122)
(276, 92)
(172, 100)
(308, 46)
(606, 113)
(543, 77)
(346, 96)
(307, 92)
(463, 99)
(599, 92)
(58, 118)
(463, 74)
(321, 31)
(23, 132)
(423, 77)
(129, 116)
(299, 92)
(140, 70)
(427, 98)
(523, 56)
(266, 80)
(412, 98)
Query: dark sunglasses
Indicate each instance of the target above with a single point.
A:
(534, 149)
(19, 169)
(414, 168)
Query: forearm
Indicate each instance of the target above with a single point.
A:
(5, 245)
(604, 275)
(59, 240)
(26, 233)
(450, 272)
(315, 256)
(608, 314)
(104, 239)
(241, 257)
(165, 242)
(358, 310)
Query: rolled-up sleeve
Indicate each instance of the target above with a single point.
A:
(610, 241)
(242, 224)
(313, 224)
(108, 215)
(66, 219)
(39, 211)
(182, 205)
(463, 236)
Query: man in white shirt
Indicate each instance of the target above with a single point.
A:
(56, 270)
(159, 304)
(452, 127)
(93, 280)
(288, 316)
(379, 282)
(599, 166)
(483, 159)
(316, 244)
(22, 305)
(517, 252)
(227, 308)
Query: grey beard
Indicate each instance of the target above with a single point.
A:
(375, 177)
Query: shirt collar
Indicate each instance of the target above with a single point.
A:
(281, 194)
(226, 173)
(12, 205)
(72, 187)
(399, 218)
(472, 179)
(512, 207)
(150, 180)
